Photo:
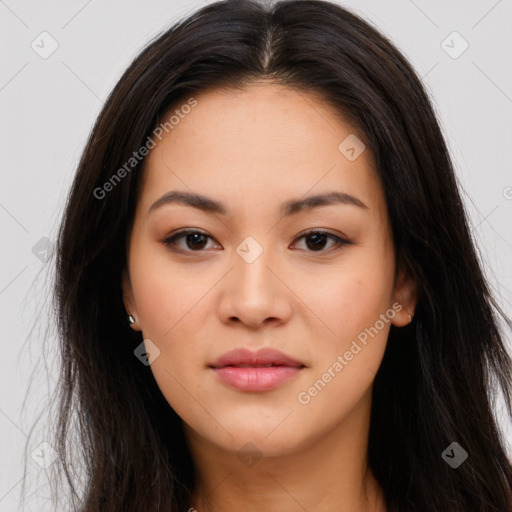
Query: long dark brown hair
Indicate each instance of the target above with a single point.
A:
(440, 375)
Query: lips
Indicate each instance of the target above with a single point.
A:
(265, 357)
(262, 371)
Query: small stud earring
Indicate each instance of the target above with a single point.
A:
(131, 320)
(410, 318)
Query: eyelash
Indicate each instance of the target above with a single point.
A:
(170, 242)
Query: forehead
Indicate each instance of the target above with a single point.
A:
(266, 140)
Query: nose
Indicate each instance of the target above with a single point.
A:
(254, 293)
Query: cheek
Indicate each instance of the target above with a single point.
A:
(349, 299)
(169, 300)
(167, 293)
(347, 359)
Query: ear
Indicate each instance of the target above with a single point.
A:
(406, 294)
(129, 300)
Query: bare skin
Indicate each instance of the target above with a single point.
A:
(253, 150)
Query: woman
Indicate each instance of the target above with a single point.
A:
(267, 293)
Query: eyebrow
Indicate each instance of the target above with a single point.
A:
(288, 208)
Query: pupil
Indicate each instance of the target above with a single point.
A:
(195, 240)
(316, 237)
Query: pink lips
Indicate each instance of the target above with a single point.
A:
(260, 371)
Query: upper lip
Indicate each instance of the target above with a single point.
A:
(262, 357)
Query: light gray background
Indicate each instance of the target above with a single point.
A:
(48, 106)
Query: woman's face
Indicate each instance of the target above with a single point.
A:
(252, 277)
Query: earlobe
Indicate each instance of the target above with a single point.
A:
(402, 318)
(406, 294)
(129, 302)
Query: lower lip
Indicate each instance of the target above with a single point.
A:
(256, 378)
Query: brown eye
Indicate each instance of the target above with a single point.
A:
(317, 239)
(195, 241)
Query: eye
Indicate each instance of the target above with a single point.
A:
(195, 240)
(317, 238)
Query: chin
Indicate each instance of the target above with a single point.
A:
(260, 440)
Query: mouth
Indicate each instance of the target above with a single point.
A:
(261, 371)
(270, 365)
(265, 357)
